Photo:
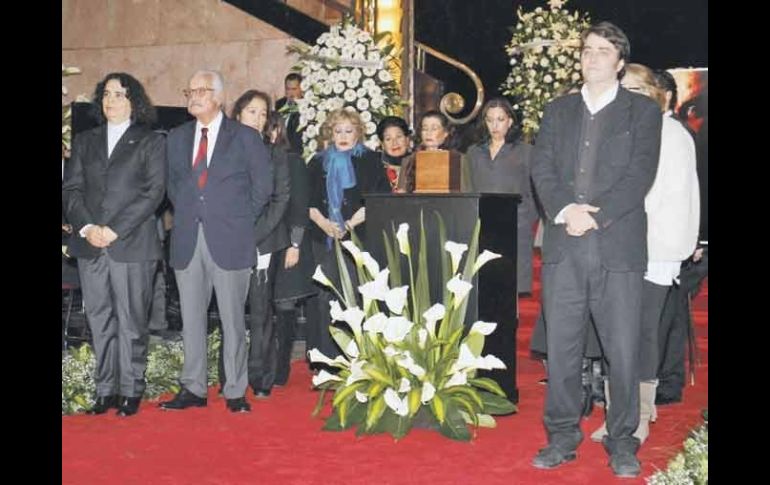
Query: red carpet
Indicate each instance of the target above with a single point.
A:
(280, 443)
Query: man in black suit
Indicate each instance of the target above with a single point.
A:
(594, 161)
(219, 181)
(292, 92)
(113, 184)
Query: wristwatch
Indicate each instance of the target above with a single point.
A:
(295, 245)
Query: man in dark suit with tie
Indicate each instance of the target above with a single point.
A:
(594, 161)
(113, 184)
(292, 92)
(219, 181)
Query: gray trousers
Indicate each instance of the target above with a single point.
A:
(573, 287)
(117, 299)
(195, 284)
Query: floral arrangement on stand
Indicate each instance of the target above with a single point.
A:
(404, 360)
(545, 58)
(164, 365)
(346, 68)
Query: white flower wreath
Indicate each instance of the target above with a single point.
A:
(545, 58)
(346, 68)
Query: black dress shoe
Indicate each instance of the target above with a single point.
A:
(103, 404)
(183, 400)
(551, 457)
(128, 406)
(238, 405)
(261, 393)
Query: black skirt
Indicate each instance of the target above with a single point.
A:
(296, 282)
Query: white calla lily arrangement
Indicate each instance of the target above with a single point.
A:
(405, 360)
(346, 68)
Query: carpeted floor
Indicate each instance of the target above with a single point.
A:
(280, 443)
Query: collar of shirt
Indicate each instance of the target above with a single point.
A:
(606, 98)
(114, 133)
(211, 136)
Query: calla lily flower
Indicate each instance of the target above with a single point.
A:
(317, 356)
(404, 385)
(361, 397)
(456, 251)
(324, 376)
(398, 405)
(483, 259)
(422, 336)
(428, 391)
(335, 311)
(356, 372)
(402, 235)
(396, 298)
(320, 277)
(459, 289)
(492, 362)
(409, 364)
(376, 323)
(484, 328)
(457, 379)
(377, 289)
(396, 329)
(370, 263)
(353, 316)
(432, 315)
(352, 348)
(353, 250)
(391, 351)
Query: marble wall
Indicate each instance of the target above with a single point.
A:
(162, 42)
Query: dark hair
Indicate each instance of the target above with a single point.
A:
(389, 121)
(276, 122)
(449, 143)
(142, 110)
(246, 98)
(667, 82)
(513, 134)
(614, 36)
(293, 76)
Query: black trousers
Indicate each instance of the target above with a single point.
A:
(263, 341)
(574, 287)
(653, 300)
(675, 327)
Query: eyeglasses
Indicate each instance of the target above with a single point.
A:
(188, 93)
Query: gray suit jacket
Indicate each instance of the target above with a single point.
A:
(625, 169)
(121, 191)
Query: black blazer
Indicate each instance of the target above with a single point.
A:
(272, 233)
(370, 178)
(625, 169)
(292, 123)
(122, 192)
(240, 181)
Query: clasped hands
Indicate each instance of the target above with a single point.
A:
(100, 236)
(578, 219)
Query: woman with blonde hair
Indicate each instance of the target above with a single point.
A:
(339, 175)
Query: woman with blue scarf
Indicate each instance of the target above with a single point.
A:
(339, 176)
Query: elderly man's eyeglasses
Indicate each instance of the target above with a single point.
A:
(199, 92)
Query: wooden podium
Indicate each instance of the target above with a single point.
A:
(437, 171)
(493, 298)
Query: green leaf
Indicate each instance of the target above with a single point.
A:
(340, 336)
(414, 400)
(392, 254)
(454, 426)
(347, 392)
(347, 285)
(374, 413)
(320, 404)
(332, 423)
(378, 375)
(496, 405)
(396, 425)
(487, 384)
(438, 406)
(468, 410)
(486, 421)
(446, 263)
(422, 289)
(469, 392)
